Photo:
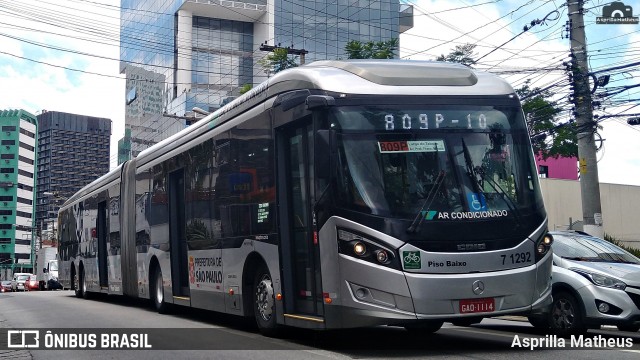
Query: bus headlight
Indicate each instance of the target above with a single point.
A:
(366, 248)
(359, 248)
(543, 245)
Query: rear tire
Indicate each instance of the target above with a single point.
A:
(157, 292)
(83, 284)
(264, 301)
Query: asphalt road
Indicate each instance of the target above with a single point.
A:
(232, 338)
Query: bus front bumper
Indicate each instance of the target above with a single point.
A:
(382, 296)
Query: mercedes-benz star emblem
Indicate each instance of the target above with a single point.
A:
(478, 287)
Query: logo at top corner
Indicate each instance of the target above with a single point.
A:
(617, 13)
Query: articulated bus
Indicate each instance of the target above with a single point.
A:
(337, 194)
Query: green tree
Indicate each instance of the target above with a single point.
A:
(549, 137)
(462, 54)
(244, 88)
(372, 50)
(278, 60)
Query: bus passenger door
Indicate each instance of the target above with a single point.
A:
(301, 274)
(102, 244)
(177, 235)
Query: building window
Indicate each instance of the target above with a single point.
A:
(5, 240)
(8, 156)
(25, 159)
(543, 171)
(8, 128)
(8, 142)
(25, 187)
(25, 173)
(7, 170)
(25, 146)
(25, 201)
(28, 133)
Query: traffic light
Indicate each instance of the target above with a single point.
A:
(633, 121)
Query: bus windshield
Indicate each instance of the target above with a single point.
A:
(442, 163)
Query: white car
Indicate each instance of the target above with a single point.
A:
(17, 283)
(594, 283)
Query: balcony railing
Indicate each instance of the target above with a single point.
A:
(232, 4)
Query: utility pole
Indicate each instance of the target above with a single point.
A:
(290, 50)
(585, 125)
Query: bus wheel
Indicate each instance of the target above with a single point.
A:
(425, 327)
(83, 282)
(264, 303)
(157, 292)
(565, 318)
(76, 285)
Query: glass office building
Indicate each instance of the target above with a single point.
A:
(179, 55)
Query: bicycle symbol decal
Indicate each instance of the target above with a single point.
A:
(411, 259)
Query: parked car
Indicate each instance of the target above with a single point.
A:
(594, 283)
(5, 286)
(32, 283)
(17, 283)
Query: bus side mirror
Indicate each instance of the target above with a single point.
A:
(45, 270)
(319, 101)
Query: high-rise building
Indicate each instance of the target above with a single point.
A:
(178, 55)
(17, 184)
(73, 150)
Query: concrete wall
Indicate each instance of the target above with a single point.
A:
(620, 205)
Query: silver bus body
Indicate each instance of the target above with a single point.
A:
(109, 242)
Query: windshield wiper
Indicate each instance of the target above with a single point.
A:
(417, 221)
(477, 185)
(503, 195)
(471, 172)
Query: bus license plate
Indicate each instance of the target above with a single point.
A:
(477, 305)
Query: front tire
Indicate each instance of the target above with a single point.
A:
(264, 301)
(157, 292)
(83, 285)
(566, 317)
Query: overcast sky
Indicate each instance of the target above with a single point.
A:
(36, 75)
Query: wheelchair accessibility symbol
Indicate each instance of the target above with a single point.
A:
(477, 202)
